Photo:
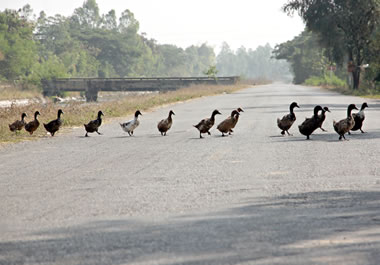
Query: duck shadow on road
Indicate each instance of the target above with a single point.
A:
(300, 228)
(327, 137)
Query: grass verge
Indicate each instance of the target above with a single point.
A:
(76, 114)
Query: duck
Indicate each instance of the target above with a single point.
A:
(131, 125)
(322, 117)
(53, 126)
(226, 125)
(310, 124)
(206, 124)
(19, 124)
(345, 125)
(359, 118)
(165, 124)
(287, 121)
(235, 120)
(94, 125)
(33, 125)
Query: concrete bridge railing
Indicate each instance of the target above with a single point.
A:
(91, 86)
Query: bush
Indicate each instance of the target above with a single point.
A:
(326, 80)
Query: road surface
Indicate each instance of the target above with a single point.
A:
(252, 198)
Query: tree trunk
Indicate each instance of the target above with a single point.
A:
(356, 77)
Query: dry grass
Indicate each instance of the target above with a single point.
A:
(10, 91)
(75, 114)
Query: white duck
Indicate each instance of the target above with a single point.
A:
(131, 125)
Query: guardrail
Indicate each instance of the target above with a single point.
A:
(91, 86)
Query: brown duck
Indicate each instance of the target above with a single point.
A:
(165, 124)
(18, 125)
(205, 125)
(310, 124)
(236, 120)
(53, 126)
(94, 125)
(227, 125)
(322, 117)
(345, 125)
(33, 125)
(287, 121)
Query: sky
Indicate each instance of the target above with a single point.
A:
(247, 23)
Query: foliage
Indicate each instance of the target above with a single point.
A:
(345, 27)
(17, 48)
(326, 80)
(252, 63)
(89, 44)
(305, 56)
(211, 72)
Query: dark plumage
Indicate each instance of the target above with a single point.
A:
(205, 125)
(235, 120)
(53, 126)
(345, 125)
(33, 125)
(227, 125)
(322, 117)
(18, 125)
(287, 121)
(310, 124)
(359, 118)
(94, 125)
(165, 124)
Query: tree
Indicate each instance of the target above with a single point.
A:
(342, 25)
(88, 15)
(304, 55)
(17, 48)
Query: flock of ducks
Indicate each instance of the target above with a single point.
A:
(204, 126)
(353, 121)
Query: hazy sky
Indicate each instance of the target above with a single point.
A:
(246, 23)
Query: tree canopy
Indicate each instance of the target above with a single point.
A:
(91, 44)
(345, 28)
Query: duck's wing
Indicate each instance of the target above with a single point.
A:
(201, 123)
(163, 124)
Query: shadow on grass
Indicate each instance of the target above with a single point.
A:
(339, 226)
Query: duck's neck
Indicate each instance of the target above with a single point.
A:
(35, 116)
(22, 118)
(362, 108)
(292, 110)
(170, 116)
(349, 112)
(99, 117)
(213, 117)
(59, 115)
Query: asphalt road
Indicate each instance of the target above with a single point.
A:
(252, 198)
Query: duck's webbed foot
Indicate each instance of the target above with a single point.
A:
(289, 133)
(323, 129)
(349, 132)
(208, 133)
(362, 130)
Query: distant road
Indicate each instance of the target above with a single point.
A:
(252, 198)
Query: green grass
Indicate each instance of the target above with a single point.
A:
(326, 80)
